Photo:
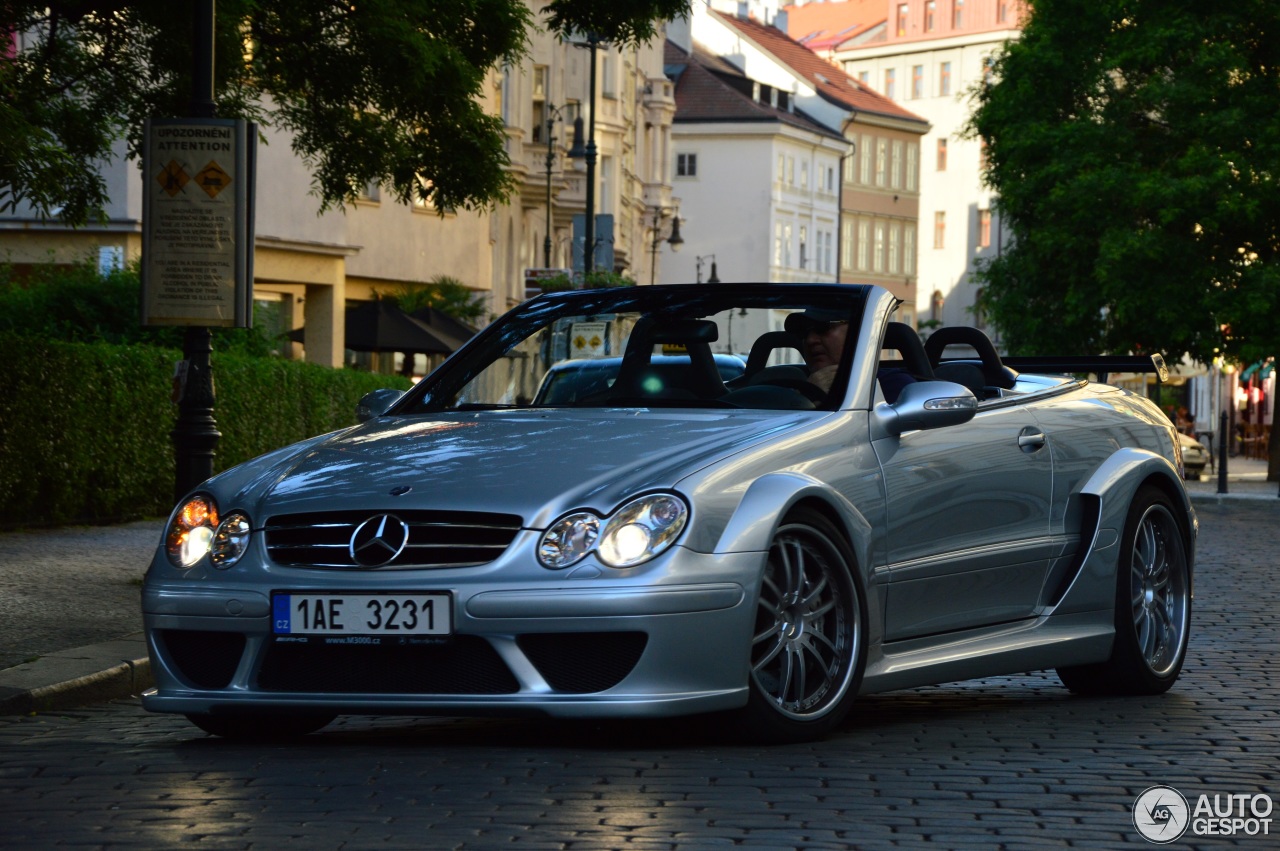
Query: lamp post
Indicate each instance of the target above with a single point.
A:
(588, 152)
(711, 258)
(674, 240)
(553, 115)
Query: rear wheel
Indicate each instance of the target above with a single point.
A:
(259, 727)
(1153, 606)
(808, 647)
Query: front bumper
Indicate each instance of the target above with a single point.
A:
(590, 643)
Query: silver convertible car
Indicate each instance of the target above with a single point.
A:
(713, 522)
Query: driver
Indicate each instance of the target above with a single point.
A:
(824, 334)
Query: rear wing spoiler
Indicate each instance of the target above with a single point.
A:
(1099, 365)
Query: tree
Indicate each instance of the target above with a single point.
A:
(385, 91)
(444, 293)
(1135, 148)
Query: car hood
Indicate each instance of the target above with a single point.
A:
(530, 463)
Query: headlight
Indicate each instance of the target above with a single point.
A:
(568, 540)
(191, 531)
(635, 533)
(195, 532)
(230, 540)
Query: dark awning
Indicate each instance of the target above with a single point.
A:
(380, 326)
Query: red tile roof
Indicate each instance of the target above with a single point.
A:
(823, 26)
(830, 82)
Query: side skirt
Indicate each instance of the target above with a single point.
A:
(1011, 648)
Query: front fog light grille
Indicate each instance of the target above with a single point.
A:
(206, 660)
(583, 662)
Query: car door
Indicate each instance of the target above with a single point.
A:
(967, 521)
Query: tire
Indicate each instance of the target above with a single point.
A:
(259, 727)
(808, 647)
(1152, 608)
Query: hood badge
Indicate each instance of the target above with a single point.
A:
(378, 540)
(401, 490)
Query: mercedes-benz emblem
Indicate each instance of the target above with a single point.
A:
(378, 540)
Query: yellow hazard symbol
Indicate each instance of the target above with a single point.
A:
(596, 342)
(172, 178)
(579, 342)
(212, 179)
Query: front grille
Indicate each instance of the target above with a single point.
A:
(204, 659)
(436, 538)
(583, 662)
(466, 664)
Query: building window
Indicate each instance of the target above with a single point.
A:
(863, 247)
(686, 165)
(890, 83)
(882, 164)
(864, 77)
(942, 155)
(940, 229)
(895, 232)
(864, 164)
(827, 253)
(831, 179)
(957, 14)
(539, 103)
(984, 228)
(846, 244)
(606, 186)
(782, 168)
(791, 171)
(917, 82)
(777, 243)
(786, 245)
(895, 165)
(944, 79)
(850, 169)
(930, 15)
(608, 85)
(988, 69)
(804, 245)
(908, 249)
(1002, 11)
(804, 175)
(913, 167)
(903, 10)
(877, 250)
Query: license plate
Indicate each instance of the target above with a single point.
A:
(411, 613)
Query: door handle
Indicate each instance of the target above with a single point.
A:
(1030, 441)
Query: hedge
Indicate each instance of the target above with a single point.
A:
(84, 427)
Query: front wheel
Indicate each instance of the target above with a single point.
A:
(259, 727)
(808, 647)
(1152, 609)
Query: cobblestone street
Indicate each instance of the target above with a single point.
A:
(1011, 762)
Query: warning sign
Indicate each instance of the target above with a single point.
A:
(588, 339)
(197, 243)
(212, 179)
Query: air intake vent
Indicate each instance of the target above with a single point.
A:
(434, 538)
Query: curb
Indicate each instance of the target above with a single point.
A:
(72, 678)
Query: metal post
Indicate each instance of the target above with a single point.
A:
(195, 435)
(1222, 453)
(546, 243)
(589, 243)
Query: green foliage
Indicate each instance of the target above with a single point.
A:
(599, 279)
(444, 293)
(84, 427)
(1135, 147)
(77, 303)
(385, 91)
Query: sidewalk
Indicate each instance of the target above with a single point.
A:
(70, 619)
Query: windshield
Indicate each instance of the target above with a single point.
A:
(646, 347)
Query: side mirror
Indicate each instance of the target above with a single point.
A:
(927, 404)
(376, 403)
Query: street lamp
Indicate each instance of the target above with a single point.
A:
(711, 258)
(588, 153)
(554, 115)
(674, 240)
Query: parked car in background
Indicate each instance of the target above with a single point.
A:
(668, 541)
(1195, 457)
